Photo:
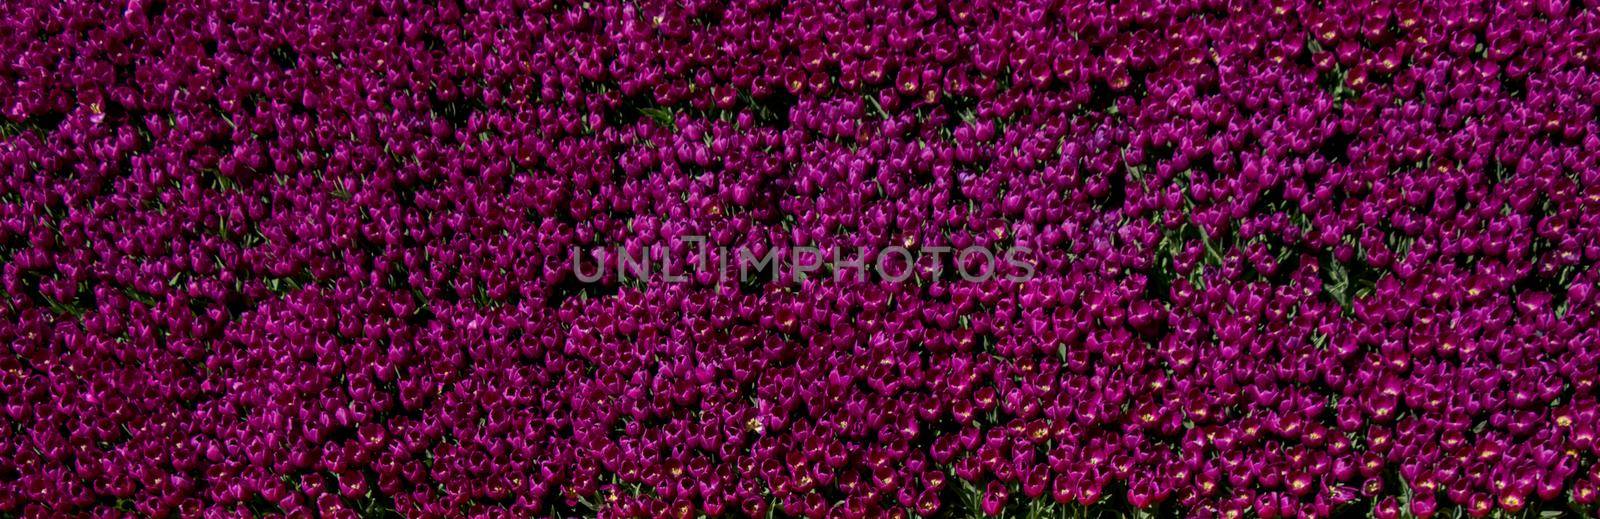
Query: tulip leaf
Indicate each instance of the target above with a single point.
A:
(1212, 255)
(660, 115)
(873, 100)
(1339, 286)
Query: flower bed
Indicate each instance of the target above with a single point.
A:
(1289, 259)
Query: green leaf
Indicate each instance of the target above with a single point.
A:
(660, 115)
(1339, 287)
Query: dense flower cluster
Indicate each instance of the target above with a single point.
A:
(1294, 257)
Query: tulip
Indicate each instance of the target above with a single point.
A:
(994, 498)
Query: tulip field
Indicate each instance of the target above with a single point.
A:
(1018, 258)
